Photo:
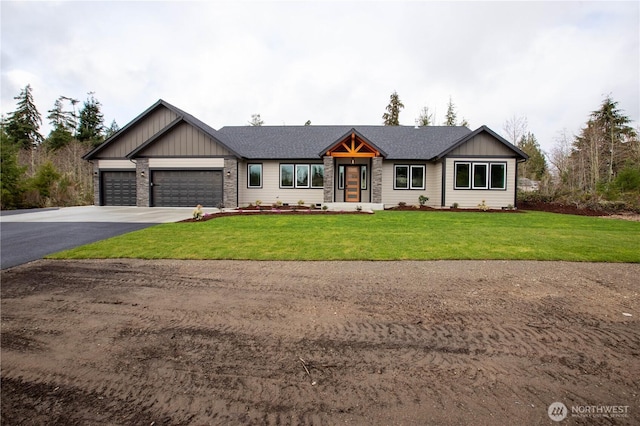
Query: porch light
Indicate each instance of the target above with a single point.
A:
(228, 173)
(353, 161)
(142, 173)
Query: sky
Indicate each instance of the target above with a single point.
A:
(331, 62)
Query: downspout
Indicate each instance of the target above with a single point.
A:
(238, 182)
(515, 190)
(443, 183)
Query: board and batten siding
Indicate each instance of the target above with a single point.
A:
(185, 141)
(271, 191)
(471, 198)
(391, 197)
(482, 145)
(139, 133)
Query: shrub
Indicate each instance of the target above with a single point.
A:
(483, 206)
(402, 203)
(423, 200)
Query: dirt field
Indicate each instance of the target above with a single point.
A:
(226, 342)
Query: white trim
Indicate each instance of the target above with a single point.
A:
(299, 167)
(486, 175)
(424, 177)
(395, 176)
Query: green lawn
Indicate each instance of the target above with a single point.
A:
(385, 235)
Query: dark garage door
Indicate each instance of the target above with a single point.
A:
(119, 188)
(186, 188)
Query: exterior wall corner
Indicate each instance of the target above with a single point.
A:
(230, 178)
(142, 182)
(328, 184)
(376, 180)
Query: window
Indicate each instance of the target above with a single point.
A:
(286, 175)
(498, 178)
(340, 177)
(417, 177)
(302, 175)
(317, 175)
(254, 178)
(480, 175)
(363, 177)
(463, 177)
(409, 177)
(401, 180)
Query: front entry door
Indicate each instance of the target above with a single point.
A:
(352, 184)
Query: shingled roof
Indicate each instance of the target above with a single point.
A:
(298, 142)
(311, 142)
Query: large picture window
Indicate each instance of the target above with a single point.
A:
(409, 177)
(317, 175)
(470, 175)
(286, 175)
(254, 176)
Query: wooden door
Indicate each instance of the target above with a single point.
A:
(352, 184)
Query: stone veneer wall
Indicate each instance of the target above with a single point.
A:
(230, 178)
(96, 184)
(328, 179)
(142, 182)
(376, 180)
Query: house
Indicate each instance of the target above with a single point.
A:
(167, 157)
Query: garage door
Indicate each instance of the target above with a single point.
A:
(186, 188)
(119, 188)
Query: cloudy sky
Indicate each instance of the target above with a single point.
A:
(331, 62)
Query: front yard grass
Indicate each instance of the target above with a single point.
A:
(385, 235)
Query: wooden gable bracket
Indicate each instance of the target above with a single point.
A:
(353, 146)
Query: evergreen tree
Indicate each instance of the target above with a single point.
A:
(11, 172)
(536, 166)
(392, 116)
(23, 124)
(91, 125)
(113, 129)
(603, 147)
(425, 118)
(62, 124)
(451, 118)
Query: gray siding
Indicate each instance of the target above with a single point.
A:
(483, 145)
(184, 141)
(138, 134)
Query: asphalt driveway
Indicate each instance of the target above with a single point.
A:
(28, 235)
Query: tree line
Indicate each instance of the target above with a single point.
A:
(598, 167)
(38, 171)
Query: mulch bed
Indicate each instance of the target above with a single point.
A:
(272, 212)
(305, 210)
(561, 208)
